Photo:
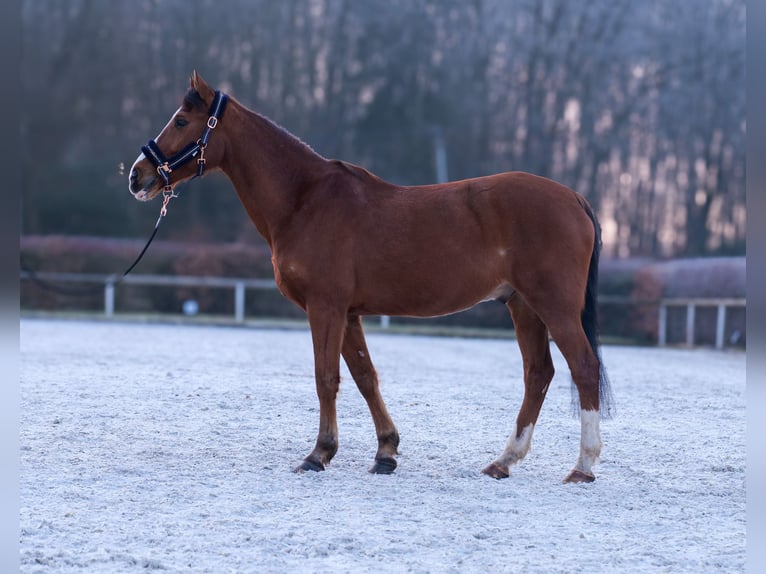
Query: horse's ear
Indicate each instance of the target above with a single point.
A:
(200, 86)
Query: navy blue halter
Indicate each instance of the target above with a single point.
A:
(165, 166)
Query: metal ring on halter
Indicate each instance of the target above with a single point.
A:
(167, 194)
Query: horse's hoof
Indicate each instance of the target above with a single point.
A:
(383, 466)
(579, 476)
(309, 465)
(497, 471)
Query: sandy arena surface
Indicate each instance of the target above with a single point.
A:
(157, 447)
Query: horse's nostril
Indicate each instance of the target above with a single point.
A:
(133, 180)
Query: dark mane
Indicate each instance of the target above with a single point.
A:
(192, 100)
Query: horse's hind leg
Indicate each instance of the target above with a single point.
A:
(357, 358)
(585, 368)
(532, 336)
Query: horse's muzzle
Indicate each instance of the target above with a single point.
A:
(137, 187)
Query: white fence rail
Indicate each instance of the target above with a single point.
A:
(241, 285)
(110, 282)
(691, 307)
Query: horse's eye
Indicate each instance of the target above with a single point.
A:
(181, 122)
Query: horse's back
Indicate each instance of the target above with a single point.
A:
(493, 212)
(435, 249)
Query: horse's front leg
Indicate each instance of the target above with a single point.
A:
(327, 326)
(357, 358)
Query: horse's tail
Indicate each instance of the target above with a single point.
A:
(589, 319)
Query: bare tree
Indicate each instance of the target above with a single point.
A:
(639, 106)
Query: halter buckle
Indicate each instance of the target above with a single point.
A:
(212, 122)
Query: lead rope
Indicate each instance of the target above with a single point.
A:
(164, 169)
(168, 193)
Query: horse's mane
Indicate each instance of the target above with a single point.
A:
(285, 132)
(192, 100)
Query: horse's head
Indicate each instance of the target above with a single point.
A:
(184, 147)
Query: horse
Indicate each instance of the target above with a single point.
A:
(346, 244)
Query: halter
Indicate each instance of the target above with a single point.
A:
(165, 166)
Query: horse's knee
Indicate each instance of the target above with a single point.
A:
(328, 387)
(539, 377)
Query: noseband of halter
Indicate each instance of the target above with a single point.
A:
(165, 166)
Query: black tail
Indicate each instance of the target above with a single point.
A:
(590, 323)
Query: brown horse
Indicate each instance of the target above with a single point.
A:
(345, 244)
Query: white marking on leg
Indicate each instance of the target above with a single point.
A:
(517, 446)
(590, 441)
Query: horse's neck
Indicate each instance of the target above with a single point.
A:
(268, 167)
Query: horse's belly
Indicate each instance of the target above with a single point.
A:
(428, 298)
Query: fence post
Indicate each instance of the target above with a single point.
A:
(662, 335)
(385, 321)
(690, 324)
(239, 302)
(720, 326)
(109, 298)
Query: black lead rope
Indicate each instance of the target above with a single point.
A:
(140, 255)
(164, 167)
(61, 290)
(83, 291)
(168, 195)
